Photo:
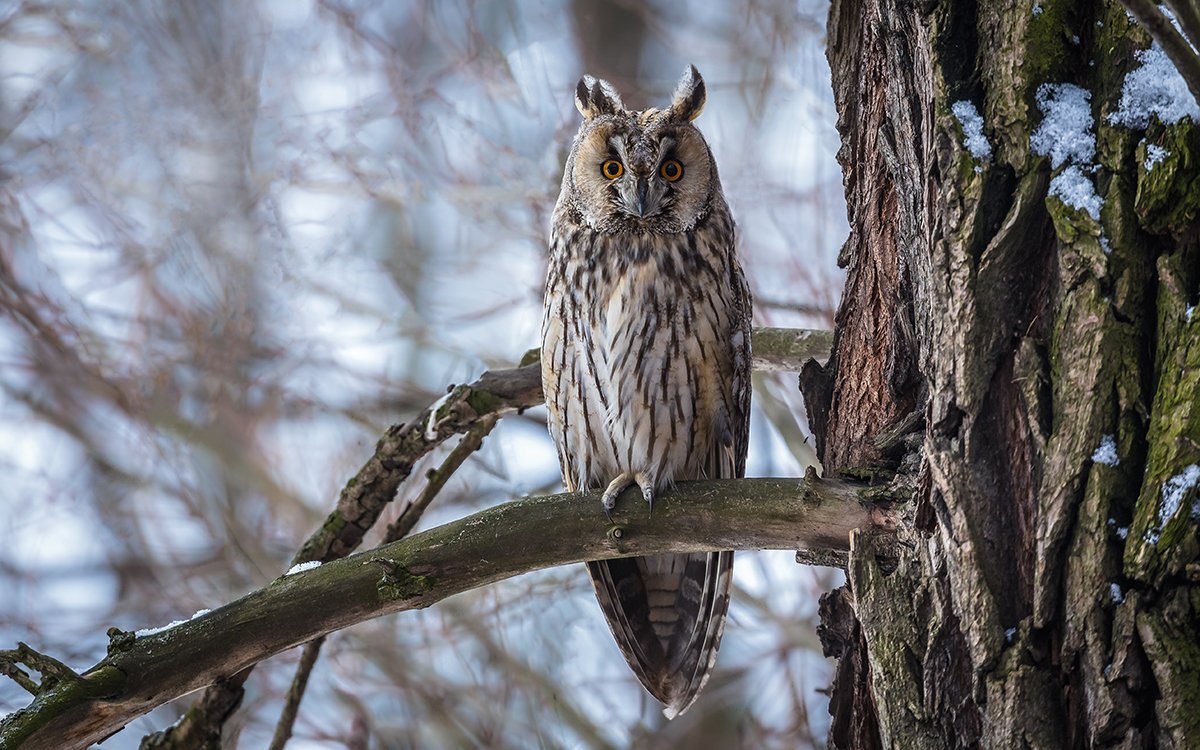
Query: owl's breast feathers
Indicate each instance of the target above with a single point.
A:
(645, 353)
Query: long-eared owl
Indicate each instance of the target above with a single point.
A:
(646, 360)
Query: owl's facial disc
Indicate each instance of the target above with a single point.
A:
(640, 172)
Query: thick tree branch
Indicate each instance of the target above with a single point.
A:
(494, 394)
(415, 572)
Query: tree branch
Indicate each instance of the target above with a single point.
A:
(1188, 16)
(494, 394)
(415, 572)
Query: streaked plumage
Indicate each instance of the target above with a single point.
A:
(646, 360)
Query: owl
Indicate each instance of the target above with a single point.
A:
(646, 360)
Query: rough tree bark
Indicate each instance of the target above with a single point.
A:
(988, 339)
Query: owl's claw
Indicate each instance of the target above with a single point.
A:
(615, 487)
(618, 485)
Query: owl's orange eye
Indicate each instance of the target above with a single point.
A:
(612, 169)
(671, 170)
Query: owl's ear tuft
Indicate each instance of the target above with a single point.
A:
(688, 101)
(595, 97)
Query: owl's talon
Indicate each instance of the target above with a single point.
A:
(646, 485)
(618, 485)
(607, 503)
(615, 487)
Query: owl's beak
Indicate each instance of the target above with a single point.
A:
(643, 185)
(638, 196)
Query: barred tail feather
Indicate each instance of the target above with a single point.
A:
(667, 614)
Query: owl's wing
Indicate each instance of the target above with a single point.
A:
(741, 320)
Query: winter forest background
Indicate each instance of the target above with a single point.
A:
(240, 239)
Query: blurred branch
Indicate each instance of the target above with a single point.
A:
(202, 726)
(517, 537)
(1181, 54)
(765, 303)
(1188, 15)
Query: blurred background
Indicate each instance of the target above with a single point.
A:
(239, 239)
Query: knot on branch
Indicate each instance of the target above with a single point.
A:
(119, 640)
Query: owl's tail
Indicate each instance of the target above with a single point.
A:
(667, 613)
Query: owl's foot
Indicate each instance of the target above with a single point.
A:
(618, 485)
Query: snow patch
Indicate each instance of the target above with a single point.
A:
(1065, 131)
(972, 124)
(169, 625)
(301, 567)
(159, 629)
(1010, 635)
(1076, 190)
(431, 425)
(1155, 88)
(1154, 154)
(1173, 492)
(1065, 135)
(1106, 453)
(1114, 590)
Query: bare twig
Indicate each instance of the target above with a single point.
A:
(291, 704)
(419, 570)
(10, 670)
(494, 394)
(52, 670)
(469, 443)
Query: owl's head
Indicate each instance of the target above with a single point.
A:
(640, 171)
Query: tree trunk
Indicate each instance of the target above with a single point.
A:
(989, 338)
